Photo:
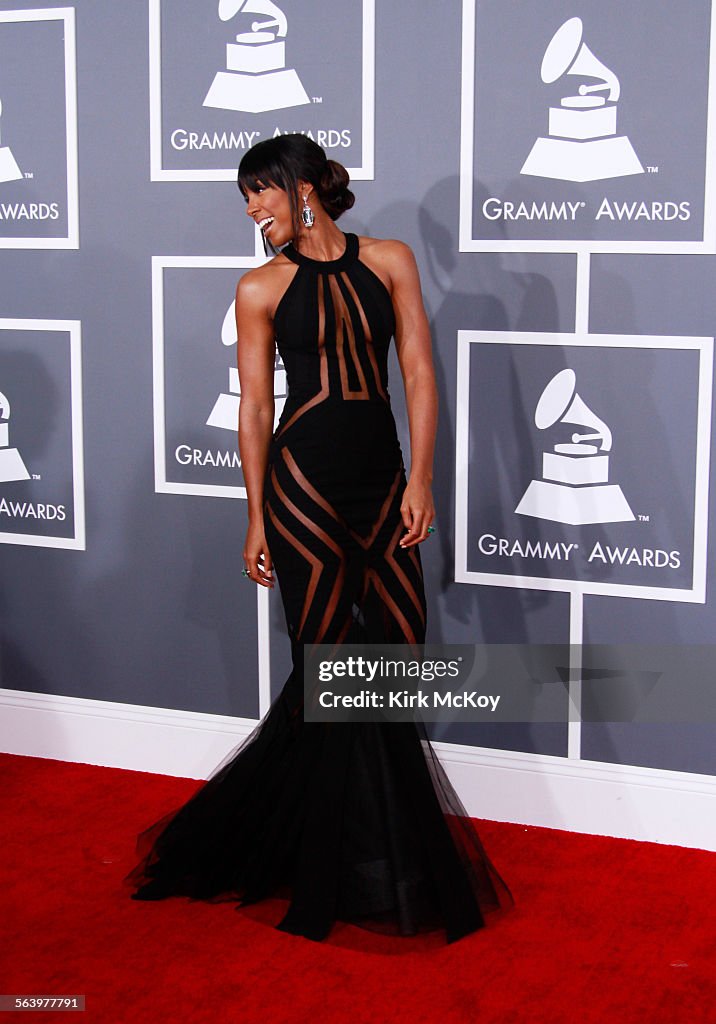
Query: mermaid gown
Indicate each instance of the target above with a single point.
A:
(348, 821)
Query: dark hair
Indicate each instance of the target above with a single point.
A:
(288, 159)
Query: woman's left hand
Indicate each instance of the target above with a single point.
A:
(417, 509)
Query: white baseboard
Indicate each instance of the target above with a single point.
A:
(627, 801)
(648, 804)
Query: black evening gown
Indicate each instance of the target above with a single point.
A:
(355, 822)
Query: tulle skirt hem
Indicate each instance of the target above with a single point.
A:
(351, 822)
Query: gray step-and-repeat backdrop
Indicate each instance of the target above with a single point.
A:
(551, 164)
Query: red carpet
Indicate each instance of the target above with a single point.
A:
(605, 931)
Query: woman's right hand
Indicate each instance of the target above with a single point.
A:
(256, 552)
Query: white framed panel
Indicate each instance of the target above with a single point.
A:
(203, 458)
(537, 175)
(42, 489)
(564, 519)
(263, 79)
(29, 152)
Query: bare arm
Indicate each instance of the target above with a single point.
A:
(255, 358)
(414, 348)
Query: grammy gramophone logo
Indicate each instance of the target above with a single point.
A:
(256, 78)
(9, 171)
(575, 486)
(583, 144)
(12, 466)
(225, 413)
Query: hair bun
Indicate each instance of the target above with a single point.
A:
(334, 193)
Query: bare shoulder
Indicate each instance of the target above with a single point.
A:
(261, 287)
(390, 258)
(386, 250)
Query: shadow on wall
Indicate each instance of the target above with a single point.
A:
(657, 744)
(466, 291)
(33, 419)
(45, 645)
(34, 406)
(151, 613)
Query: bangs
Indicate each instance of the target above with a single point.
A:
(251, 180)
(255, 171)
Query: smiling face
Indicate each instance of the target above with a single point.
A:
(269, 206)
(273, 177)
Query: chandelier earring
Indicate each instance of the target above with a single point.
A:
(307, 214)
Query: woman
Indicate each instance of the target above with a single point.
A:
(349, 821)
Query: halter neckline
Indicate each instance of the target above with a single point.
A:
(347, 256)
